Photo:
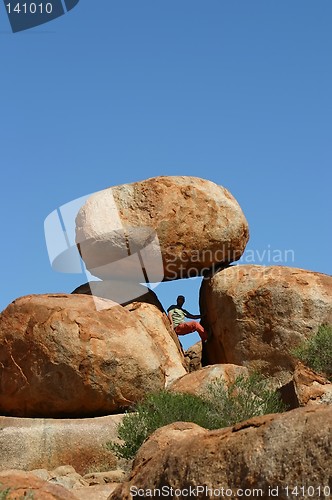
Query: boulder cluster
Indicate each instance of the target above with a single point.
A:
(72, 364)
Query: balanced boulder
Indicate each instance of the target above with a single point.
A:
(258, 314)
(61, 357)
(162, 228)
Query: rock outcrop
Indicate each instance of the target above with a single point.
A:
(306, 387)
(98, 492)
(169, 348)
(258, 314)
(60, 357)
(279, 451)
(61, 483)
(193, 357)
(162, 438)
(172, 227)
(21, 484)
(39, 443)
(198, 381)
(65, 476)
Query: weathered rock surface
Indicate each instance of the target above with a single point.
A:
(38, 443)
(306, 387)
(258, 314)
(113, 476)
(98, 492)
(60, 357)
(274, 450)
(27, 485)
(198, 381)
(63, 482)
(197, 223)
(168, 346)
(160, 440)
(193, 356)
(154, 323)
(64, 475)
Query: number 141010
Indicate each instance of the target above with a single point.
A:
(29, 8)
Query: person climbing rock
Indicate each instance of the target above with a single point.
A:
(177, 315)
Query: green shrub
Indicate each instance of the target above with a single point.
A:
(245, 398)
(157, 409)
(316, 352)
(219, 407)
(4, 494)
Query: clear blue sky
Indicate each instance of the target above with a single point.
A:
(238, 92)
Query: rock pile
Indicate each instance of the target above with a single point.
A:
(279, 451)
(71, 364)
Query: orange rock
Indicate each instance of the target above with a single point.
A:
(22, 484)
(198, 224)
(258, 314)
(306, 387)
(61, 357)
(162, 438)
(98, 492)
(279, 451)
(198, 381)
(193, 356)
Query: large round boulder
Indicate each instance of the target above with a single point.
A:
(257, 314)
(169, 227)
(261, 457)
(61, 357)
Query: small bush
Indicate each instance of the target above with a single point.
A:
(157, 409)
(219, 407)
(316, 352)
(245, 398)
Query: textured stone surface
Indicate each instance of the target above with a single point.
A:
(113, 476)
(162, 438)
(60, 357)
(98, 492)
(197, 223)
(306, 387)
(38, 443)
(258, 314)
(67, 477)
(193, 356)
(198, 381)
(278, 450)
(165, 339)
(27, 485)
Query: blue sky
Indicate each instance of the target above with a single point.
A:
(238, 92)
